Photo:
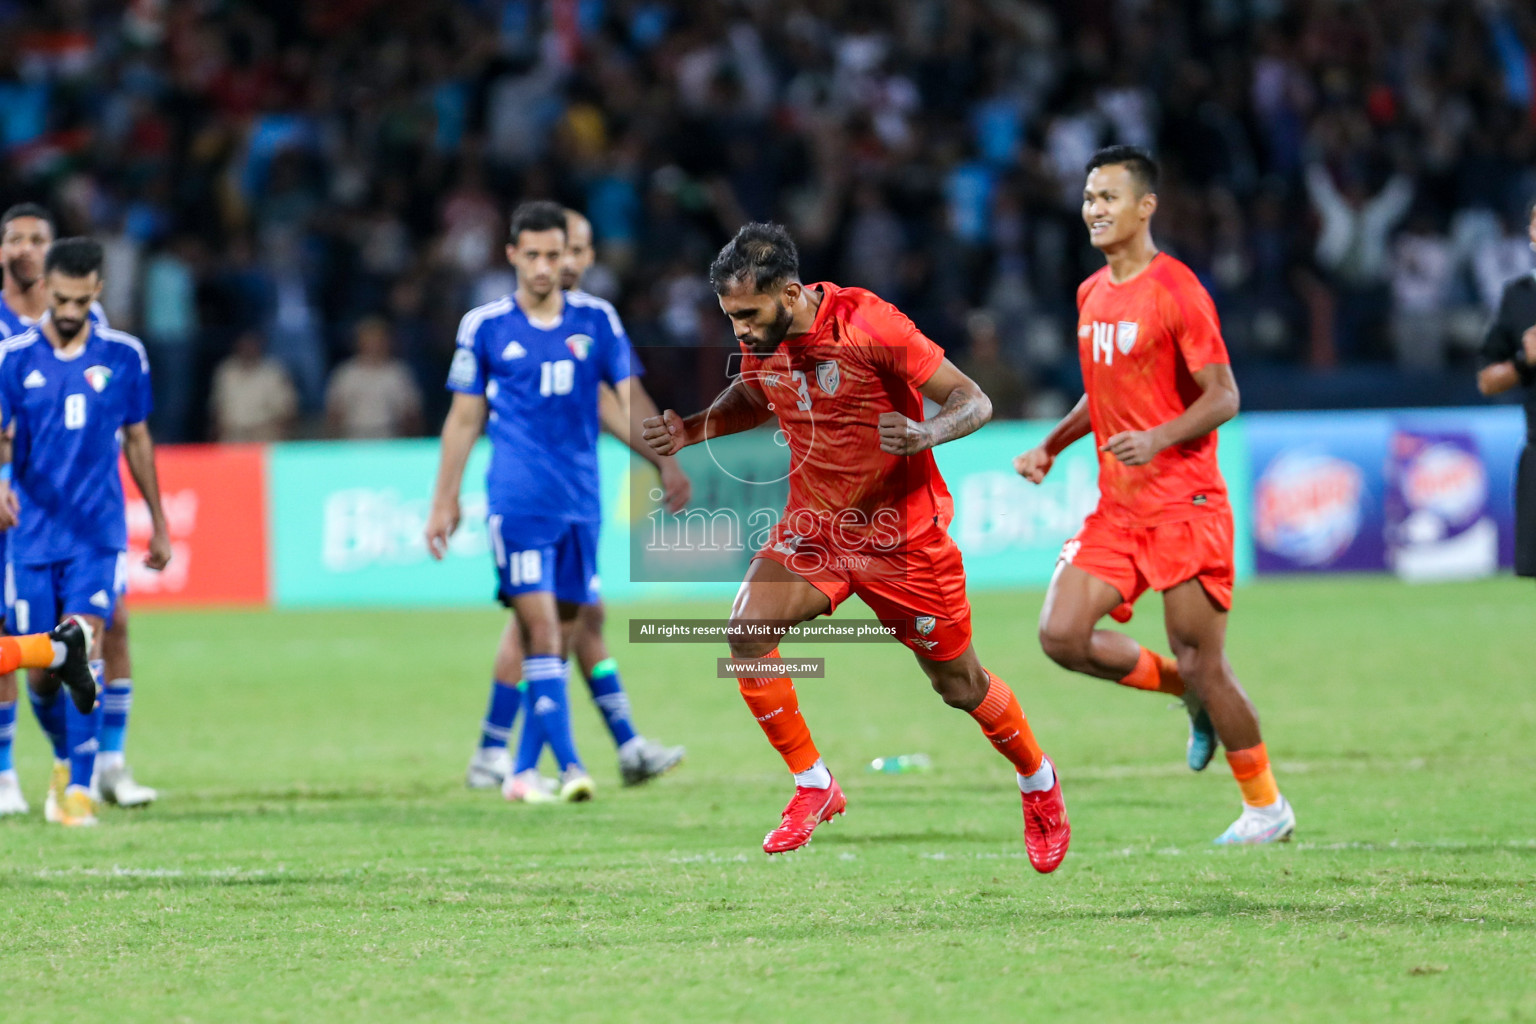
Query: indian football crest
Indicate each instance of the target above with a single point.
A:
(829, 376)
(97, 377)
(1125, 336)
(925, 624)
(579, 344)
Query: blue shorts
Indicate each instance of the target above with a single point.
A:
(544, 556)
(38, 597)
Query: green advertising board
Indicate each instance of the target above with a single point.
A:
(346, 519)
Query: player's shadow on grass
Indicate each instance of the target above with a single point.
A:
(841, 837)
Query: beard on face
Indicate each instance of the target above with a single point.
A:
(67, 329)
(775, 333)
(16, 269)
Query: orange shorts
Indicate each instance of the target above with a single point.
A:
(1138, 558)
(920, 588)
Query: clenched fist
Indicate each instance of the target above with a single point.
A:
(664, 433)
(902, 435)
(1034, 464)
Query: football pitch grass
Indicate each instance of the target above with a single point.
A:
(315, 856)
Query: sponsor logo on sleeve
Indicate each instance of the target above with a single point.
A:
(462, 370)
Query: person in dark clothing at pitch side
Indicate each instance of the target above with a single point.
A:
(1509, 361)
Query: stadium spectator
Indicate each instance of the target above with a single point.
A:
(253, 397)
(372, 395)
(930, 149)
(170, 324)
(983, 362)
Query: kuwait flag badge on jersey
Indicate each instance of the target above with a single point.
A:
(97, 377)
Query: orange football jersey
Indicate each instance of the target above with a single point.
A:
(828, 387)
(1140, 344)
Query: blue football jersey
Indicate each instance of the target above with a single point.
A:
(540, 385)
(13, 324)
(67, 414)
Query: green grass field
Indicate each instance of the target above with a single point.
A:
(316, 858)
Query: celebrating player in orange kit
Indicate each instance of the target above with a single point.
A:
(846, 373)
(1157, 385)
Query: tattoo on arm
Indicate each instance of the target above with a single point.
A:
(965, 411)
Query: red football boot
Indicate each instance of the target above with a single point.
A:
(1046, 829)
(809, 808)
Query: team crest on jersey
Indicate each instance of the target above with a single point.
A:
(513, 351)
(925, 624)
(97, 377)
(1125, 336)
(579, 344)
(829, 375)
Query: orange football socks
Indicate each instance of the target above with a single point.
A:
(777, 709)
(1155, 672)
(1002, 721)
(1251, 770)
(35, 650)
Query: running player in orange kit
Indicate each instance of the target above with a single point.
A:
(845, 372)
(1157, 385)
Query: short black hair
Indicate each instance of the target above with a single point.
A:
(536, 215)
(21, 210)
(1135, 159)
(73, 257)
(763, 253)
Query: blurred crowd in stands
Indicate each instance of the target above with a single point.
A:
(300, 200)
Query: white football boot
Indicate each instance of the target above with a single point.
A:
(641, 760)
(11, 800)
(114, 784)
(1272, 824)
(576, 785)
(489, 768)
(529, 787)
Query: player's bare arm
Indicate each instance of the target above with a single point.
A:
(1497, 378)
(466, 418)
(1218, 403)
(624, 416)
(1035, 463)
(964, 409)
(740, 408)
(10, 505)
(139, 449)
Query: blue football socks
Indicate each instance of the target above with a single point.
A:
(609, 696)
(500, 713)
(7, 733)
(80, 731)
(50, 715)
(546, 675)
(116, 704)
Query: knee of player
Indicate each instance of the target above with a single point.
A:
(544, 638)
(1066, 647)
(743, 648)
(591, 618)
(1198, 665)
(960, 688)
